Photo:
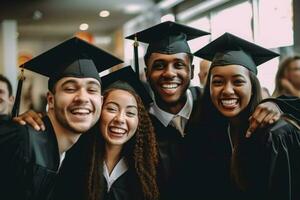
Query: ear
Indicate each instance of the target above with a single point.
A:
(146, 72)
(192, 71)
(11, 100)
(50, 100)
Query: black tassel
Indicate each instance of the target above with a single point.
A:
(136, 57)
(16, 107)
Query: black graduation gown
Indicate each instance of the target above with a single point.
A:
(29, 162)
(172, 151)
(126, 187)
(270, 159)
(71, 182)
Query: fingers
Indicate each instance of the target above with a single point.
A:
(264, 114)
(32, 118)
(19, 120)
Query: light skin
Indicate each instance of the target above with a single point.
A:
(169, 77)
(118, 123)
(6, 101)
(291, 80)
(73, 108)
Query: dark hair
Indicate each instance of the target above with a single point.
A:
(5, 80)
(209, 116)
(283, 67)
(140, 153)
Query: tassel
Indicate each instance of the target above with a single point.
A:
(16, 107)
(136, 56)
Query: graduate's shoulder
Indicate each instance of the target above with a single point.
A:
(11, 126)
(283, 129)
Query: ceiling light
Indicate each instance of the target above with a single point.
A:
(104, 13)
(37, 15)
(133, 9)
(84, 26)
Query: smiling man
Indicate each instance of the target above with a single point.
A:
(30, 161)
(169, 72)
(6, 98)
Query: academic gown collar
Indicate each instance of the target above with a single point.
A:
(44, 146)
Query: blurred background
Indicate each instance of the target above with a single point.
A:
(30, 27)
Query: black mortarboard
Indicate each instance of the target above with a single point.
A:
(126, 79)
(72, 58)
(75, 58)
(167, 38)
(229, 49)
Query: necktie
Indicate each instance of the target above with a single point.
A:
(177, 123)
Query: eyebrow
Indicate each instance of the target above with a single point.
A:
(112, 102)
(235, 76)
(91, 82)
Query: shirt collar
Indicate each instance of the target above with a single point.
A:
(165, 118)
(120, 168)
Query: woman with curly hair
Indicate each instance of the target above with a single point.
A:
(123, 157)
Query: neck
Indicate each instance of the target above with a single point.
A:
(172, 108)
(65, 137)
(112, 156)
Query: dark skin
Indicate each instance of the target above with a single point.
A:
(169, 77)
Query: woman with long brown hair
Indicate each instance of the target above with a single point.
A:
(123, 156)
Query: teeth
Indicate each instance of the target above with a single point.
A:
(80, 111)
(117, 130)
(169, 86)
(229, 102)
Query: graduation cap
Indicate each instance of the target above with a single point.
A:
(229, 49)
(72, 58)
(126, 79)
(166, 38)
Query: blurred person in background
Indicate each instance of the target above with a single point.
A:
(204, 67)
(6, 98)
(287, 80)
(265, 93)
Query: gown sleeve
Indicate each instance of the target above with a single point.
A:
(283, 147)
(289, 105)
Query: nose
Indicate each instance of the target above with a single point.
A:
(228, 89)
(82, 96)
(169, 71)
(120, 117)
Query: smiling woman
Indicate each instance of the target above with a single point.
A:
(235, 167)
(125, 151)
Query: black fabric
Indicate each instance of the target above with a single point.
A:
(269, 160)
(172, 153)
(29, 162)
(288, 104)
(168, 37)
(72, 58)
(124, 188)
(126, 78)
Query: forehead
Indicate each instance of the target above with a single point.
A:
(79, 81)
(121, 97)
(229, 70)
(168, 57)
(3, 85)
